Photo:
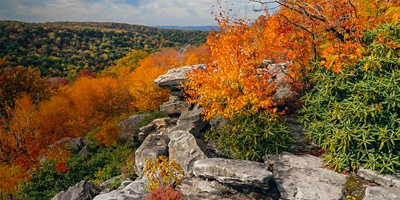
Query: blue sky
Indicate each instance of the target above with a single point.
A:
(150, 13)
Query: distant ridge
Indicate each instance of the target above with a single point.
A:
(62, 49)
(194, 28)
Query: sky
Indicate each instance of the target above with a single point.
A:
(143, 12)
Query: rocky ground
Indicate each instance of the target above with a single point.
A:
(298, 174)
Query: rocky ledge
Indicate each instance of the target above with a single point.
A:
(208, 175)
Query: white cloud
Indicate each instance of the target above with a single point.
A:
(160, 12)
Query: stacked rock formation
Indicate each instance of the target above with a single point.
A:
(208, 176)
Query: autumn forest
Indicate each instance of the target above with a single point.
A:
(65, 80)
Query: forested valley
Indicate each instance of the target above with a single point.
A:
(63, 49)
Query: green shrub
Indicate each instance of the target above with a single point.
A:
(355, 114)
(113, 160)
(101, 164)
(47, 182)
(251, 136)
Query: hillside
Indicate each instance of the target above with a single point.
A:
(64, 48)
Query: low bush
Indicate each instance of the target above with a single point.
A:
(47, 182)
(355, 114)
(162, 172)
(101, 164)
(165, 193)
(250, 136)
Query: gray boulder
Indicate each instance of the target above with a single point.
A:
(303, 177)
(135, 190)
(84, 151)
(178, 93)
(185, 149)
(197, 188)
(174, 107)
(157, 126)
(192, 122)
(234, 172)
(152, 147)
(382, 193)
(382, 179)
(175, 77)
(77, 143)
(84, 190)
(128, 129)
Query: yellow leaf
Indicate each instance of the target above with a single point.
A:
(388, 55)
(366, 66)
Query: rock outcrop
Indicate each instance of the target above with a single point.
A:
(174, 107)
(284, 176)
(385, 180)
(388, 188)
(192, 122)
(382, 193)
(152, 147)
(77, 144)
(135, 190)
(234, 172)
(185, 149)
(197, 188)
(303, 177)
(129, 128)
(84, 190)
(157, 126)
(173, 80)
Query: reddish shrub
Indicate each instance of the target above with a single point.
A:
(165, 193)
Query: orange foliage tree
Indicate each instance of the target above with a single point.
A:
(329, 32)
(17, 138)
(232, 81)
(140, 82)
(11, 175)
(306, 32)
(16, 80)
(85, 105)
(23, 144)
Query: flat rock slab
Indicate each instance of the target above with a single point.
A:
(303, 177)
(174, 77)
(197, 188)
(382, 193)
(382, 179)
(234, 172)
(135, 190)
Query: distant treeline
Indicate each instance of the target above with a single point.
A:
(199, 28)
(64, 48)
